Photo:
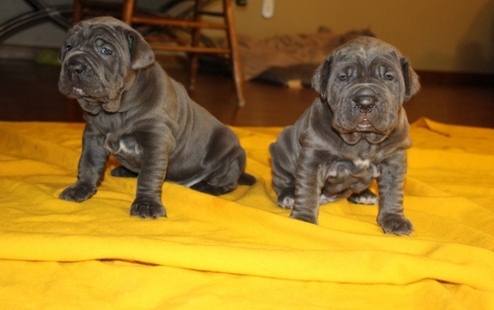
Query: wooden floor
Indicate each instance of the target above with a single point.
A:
(29, 93)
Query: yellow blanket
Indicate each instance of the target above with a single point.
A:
(240, 250)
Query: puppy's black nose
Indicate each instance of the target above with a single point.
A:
(75, 67)
(365, 100)
(365, 104)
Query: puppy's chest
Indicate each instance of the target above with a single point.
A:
(119, 139)
(125, 148)
(123, 145)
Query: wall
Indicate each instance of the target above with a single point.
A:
(438, 35)
(442, 35)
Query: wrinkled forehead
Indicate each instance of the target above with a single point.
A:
(93, 33)
(366, 53)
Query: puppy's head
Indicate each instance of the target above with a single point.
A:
(365, 83)
(99, 59)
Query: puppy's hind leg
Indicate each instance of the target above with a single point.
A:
(283, 181)
(286, 198)
(284, 186)
(246, 179)
(365, 197)
(205, 187)
(123, 172)
(225, 179)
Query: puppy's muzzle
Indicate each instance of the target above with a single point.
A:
(75, 67)
(365, 100)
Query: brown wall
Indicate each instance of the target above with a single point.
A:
(438, 35)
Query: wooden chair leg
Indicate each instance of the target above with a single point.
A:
(77, 12)
(128, 11)
(234, 51)
(196, 37)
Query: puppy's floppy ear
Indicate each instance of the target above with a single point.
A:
(321, 77)
(411, 79)
(141, 54)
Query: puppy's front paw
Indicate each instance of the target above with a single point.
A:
(304, 215)
(78, 192)
(395, 224)
(147, 208)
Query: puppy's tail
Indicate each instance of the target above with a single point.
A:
(246, 179)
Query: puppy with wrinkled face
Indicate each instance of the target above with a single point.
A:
(355, 132)
(142, 117)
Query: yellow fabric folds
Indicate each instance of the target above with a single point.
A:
(240, 250)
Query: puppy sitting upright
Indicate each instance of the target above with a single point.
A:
(355, 131)
(144, 118)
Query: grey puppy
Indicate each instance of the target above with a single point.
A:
(355, 132)
(145, 119)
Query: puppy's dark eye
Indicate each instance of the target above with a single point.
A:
(106, 51)
(389, 76)
(68, 47)
(343, 77)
